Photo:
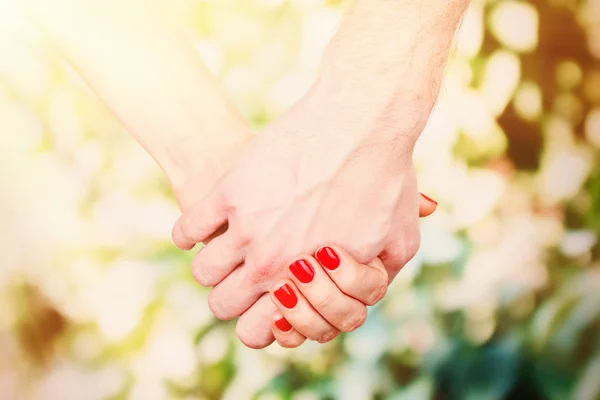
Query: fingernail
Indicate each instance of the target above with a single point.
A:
(303, 271)
(286, 296)
(429, 199)
(328, 258)
(283, 325)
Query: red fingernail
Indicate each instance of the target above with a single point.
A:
(303, 271)
(286, 296)
(429, 199)
(328, 258)
(283, 325)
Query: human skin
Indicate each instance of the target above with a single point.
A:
(183, 120)
(143, 66)
(336, 168)
(325, 294)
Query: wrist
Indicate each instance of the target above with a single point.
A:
(372, 104)
(199, 159)
(336, 130)
(387, 60)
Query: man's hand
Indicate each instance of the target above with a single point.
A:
(336, 168)
(290, 192)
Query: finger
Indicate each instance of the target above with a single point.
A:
(366, 283)
(340, 310)
(298, 311)
(196, 225)
(399, 252)
(243, 286)
(254, 327)
(286, 335)
(221, 230)
(216, 260)
(234, 295)
(426, 206)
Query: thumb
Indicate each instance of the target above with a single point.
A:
(427, 206)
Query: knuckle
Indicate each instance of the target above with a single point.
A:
(188, 227)
(250, 339)
(228, 199)
(175, 231)
(348, 280)
(363, 254)
(355, 320)
(314, 336)
(262, 268)
(200, 270)
(213, 305)
(307, 328)
(243, 236)
(322, 300)
(413, 245)
(201, 277)
(289, 342)
(262, 273)
(378, 235)
(377, 294)
(328, 336)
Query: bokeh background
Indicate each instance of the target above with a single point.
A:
(502, 301)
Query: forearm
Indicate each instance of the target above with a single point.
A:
(148, 73)
(386, 63)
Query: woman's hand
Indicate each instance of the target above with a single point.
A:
(327, 294)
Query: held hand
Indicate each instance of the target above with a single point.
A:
(327, 294)
(292, 189)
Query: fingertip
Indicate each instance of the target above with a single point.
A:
(285, 334)
(178, 237)
(254, 328)
(199, 223)
(253, 340)
(281, 283)
(185, 246)
(200, 277)
(283, 325)
(427, 206)
(284, 294)
(331, 257)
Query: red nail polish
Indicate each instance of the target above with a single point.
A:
(303, 271)
(286, 296)
(328, 258)
(429, 199)
(283, 325)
